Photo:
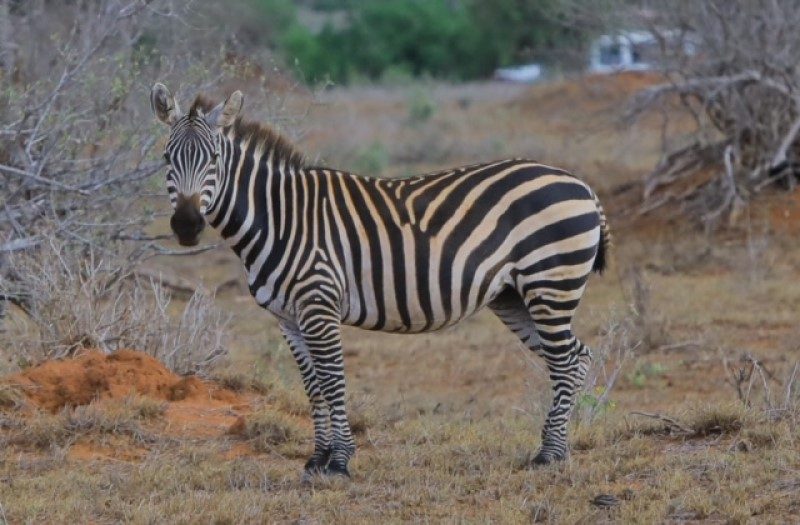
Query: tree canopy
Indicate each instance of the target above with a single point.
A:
(454, 39)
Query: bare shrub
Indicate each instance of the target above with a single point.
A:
(78, 145)
(636, 329)
(71, 155)
(76, 298)
(740, 89)
(619, 340)
(196, 343)
(760, 417)
(753, 384)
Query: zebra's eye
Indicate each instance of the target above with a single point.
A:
(166, 156)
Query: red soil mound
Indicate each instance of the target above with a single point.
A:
(95, 375)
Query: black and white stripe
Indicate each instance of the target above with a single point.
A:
(323, 247)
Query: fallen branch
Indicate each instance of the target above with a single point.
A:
(671, 423)
(178, 285)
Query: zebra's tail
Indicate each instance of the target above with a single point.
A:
(603, 248)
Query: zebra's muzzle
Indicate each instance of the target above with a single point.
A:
(187, 222)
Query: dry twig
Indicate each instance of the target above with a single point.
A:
(672, 425)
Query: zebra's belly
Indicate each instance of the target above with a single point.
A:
(417, 325)
(414, 319)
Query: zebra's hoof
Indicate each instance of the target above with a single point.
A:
(546, 458)
(336, 470)
(316, 464)
(309, 476)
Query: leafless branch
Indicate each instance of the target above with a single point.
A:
(742, 91)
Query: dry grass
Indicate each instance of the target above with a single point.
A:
(270, 430)
(434, 467)
(143, 407)
(46, 431)
(11, 397)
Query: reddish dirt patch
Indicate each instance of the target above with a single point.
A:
(194, 407)
(98, 376)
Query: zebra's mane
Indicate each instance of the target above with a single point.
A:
(257, 132)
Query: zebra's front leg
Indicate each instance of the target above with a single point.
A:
(322, 333)
(319, 407)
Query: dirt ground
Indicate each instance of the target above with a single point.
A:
(691, 416)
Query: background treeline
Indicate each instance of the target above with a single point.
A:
(346, 40)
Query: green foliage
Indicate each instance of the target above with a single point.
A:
(437, 38)
(517, 30)
(639, 377)
(419, 36)
(594, 401)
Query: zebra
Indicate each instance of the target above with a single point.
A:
(324, 248)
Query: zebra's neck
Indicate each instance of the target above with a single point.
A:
(264, 208)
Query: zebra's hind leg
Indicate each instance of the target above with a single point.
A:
(567, 367)
(319, 408)
(567, 361)
(511, 310)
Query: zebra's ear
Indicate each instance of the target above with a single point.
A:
(225, 114)
(164, 104)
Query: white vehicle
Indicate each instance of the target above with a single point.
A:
(526, 74)
(632, 51)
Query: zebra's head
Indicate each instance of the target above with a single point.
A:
(191, 154)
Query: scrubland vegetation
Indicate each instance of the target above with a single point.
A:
(691, 409)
